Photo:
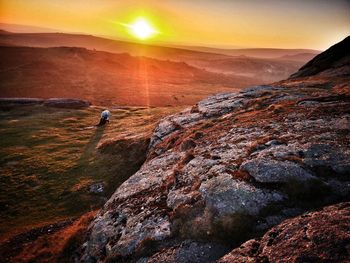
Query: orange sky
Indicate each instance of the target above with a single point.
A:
(227, 23)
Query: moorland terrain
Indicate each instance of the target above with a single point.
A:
(109, 72)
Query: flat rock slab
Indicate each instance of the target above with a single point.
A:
(228, 196)
(53, 102)
(273, 171)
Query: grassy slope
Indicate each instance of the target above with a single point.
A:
(48, 158)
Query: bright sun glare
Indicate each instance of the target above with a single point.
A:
(142, 29)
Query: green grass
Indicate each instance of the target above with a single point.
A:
(48, 157)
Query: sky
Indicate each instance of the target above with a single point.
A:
(315, 24)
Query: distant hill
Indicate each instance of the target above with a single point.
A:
(255, 52)
(106, 78)
(299, 57)
(4, 32)
(117, 46)
(102, 44)
(265, 69)
(17, 28)
(252, 52)
(169, 75)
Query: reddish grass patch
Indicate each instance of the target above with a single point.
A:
(56, 247)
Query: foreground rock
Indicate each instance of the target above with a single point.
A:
(53, 102)
(230, 167)
(322, 236)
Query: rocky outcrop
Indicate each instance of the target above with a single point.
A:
(332, 60)
(20, 101)
(53, 102)
(230, 167)
(322, 236)
(66, 103)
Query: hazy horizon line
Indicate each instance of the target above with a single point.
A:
(33, 29)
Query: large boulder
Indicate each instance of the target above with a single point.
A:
(273, 171)
(322, 236)
(226, 195)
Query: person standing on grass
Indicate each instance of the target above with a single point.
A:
(104, 117)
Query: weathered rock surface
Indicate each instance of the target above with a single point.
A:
(273, 171)
(229, 167)
(188, 251)
(322, 236)
(228, 196)
(53, 102)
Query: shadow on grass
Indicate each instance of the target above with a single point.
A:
(91, 145)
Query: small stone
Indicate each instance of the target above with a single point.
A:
(96, 188)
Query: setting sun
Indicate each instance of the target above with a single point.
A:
(142, 29)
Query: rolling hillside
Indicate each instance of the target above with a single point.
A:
(50, 65)
(267, 65)
(106, 78)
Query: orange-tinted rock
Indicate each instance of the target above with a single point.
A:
(322, 236)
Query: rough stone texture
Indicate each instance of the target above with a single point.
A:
(325, 157)
(228, 196)
(231, 165)
(187, 252)
(272, 171)
(322, 236)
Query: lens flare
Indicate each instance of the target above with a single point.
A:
(142, 29)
